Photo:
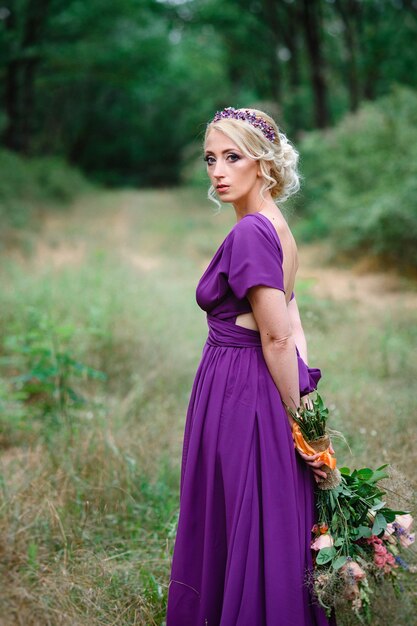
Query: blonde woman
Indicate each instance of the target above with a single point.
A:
(242, 548)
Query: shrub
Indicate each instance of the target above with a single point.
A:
(28, 184)
(361, 180)
(44, 372)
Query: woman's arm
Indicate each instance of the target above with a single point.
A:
(269, 309)
(300, 340)
(297, 329)
(272, 317)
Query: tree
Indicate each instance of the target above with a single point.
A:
(123, 88)
(25, 34)
(350, 13)
(311, 21)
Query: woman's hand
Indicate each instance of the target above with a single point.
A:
(306, 401)
(315, 465)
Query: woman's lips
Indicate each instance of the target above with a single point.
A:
(223, 188)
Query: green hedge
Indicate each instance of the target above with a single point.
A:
(360, 180)
(29, 184)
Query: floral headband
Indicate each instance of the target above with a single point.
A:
(258, 122)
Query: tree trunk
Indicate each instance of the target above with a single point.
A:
(28, 102)
(11, 137)
(290, 37)
(21, 73)
(290, 34)
(348, 11)
(273, 25)
(311, 24)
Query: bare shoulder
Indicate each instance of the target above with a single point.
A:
(288, 243)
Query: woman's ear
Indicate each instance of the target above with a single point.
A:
(259, 173)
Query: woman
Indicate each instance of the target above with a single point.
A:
(242, 547)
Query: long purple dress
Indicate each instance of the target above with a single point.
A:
(242, 546)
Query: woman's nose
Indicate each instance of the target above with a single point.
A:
(218, 169)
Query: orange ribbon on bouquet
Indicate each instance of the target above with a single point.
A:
(303, 446)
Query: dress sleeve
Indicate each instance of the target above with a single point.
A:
(255, 259)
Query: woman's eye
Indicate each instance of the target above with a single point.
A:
(234, 159)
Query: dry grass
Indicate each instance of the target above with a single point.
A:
(89, 502)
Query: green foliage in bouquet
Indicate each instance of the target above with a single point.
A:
(311, 436)
(358, 541)
(353, 511)
(312, 421)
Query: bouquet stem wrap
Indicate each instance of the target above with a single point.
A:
(321, 445)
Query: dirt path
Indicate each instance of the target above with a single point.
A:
(366, 287)
(66, 237)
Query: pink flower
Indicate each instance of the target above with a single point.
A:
(323, 541)
(389, 534)
(352, 570)
(382, 558)
(404, 521)
(402, 525)
(352, 574)
(400, 528)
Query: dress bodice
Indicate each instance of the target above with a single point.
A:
(251, 254)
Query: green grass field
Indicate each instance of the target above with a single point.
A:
(100, 339)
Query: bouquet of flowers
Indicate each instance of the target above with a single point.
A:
(358, 541)
(310, 436)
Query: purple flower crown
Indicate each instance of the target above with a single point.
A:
(247, 116)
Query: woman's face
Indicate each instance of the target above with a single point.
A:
(228, 166)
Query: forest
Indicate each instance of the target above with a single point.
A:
(122, 89)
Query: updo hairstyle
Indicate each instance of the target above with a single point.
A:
(278, 160)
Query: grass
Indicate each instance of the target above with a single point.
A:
(90, 464)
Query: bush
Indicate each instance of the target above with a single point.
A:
(46, 370)
(361, 180)
(28, 184)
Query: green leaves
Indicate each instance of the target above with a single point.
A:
(354, 511)
(45, 366)
(378, 474)
(312, 422)
(325, 555)
(363, 532)
(379, 525)
(337, 563)
(365, 474)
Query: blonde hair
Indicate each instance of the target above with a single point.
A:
(278, 160)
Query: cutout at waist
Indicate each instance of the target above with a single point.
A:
(246, 320)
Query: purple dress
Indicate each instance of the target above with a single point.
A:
(246, 498)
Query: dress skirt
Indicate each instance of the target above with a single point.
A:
(242, 548)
